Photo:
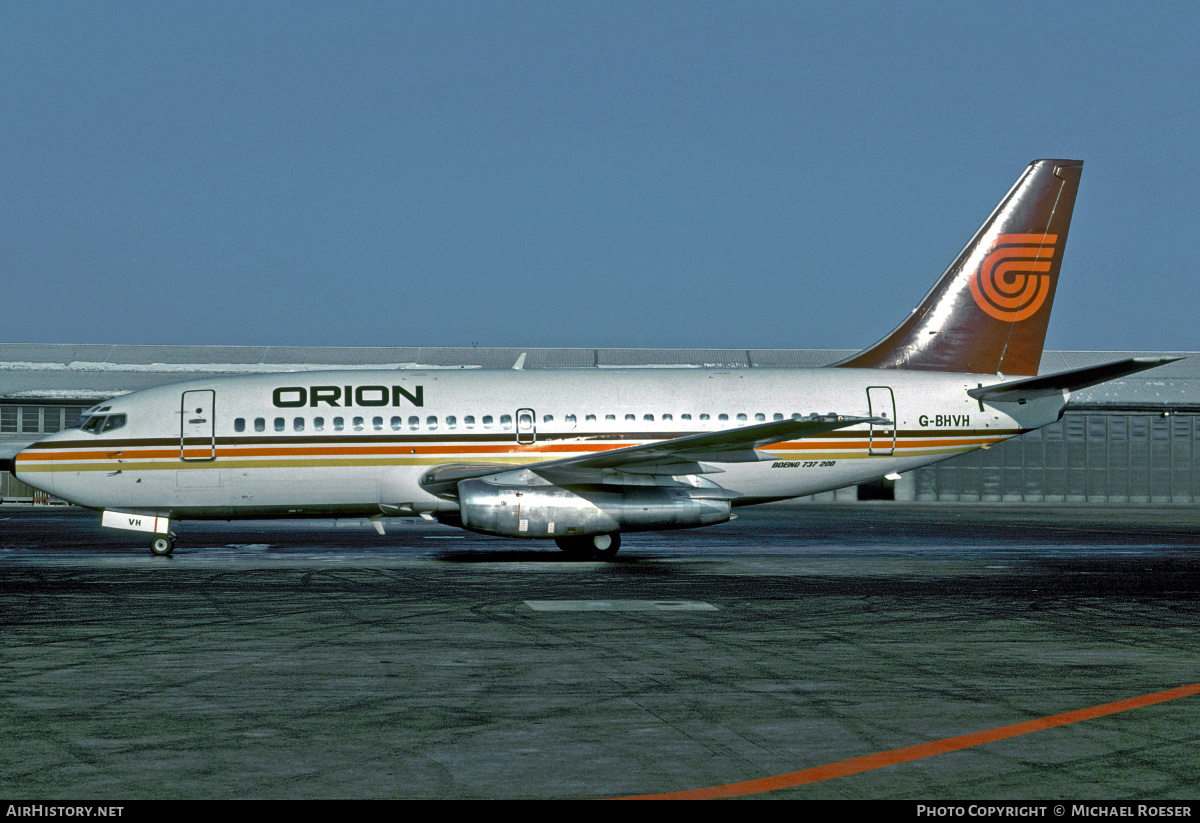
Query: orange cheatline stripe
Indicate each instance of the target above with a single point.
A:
(867, 763)
(126, 454)
(102, 452)
(132, 452)
(908, 443)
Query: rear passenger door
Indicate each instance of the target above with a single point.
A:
(882, 403)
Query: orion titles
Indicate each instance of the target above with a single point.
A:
(294, 397)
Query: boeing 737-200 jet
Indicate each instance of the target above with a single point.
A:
(580, 456)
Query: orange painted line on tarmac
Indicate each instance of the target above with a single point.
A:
(869, 762)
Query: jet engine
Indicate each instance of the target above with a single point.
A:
(562, 511)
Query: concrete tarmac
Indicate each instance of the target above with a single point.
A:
(313, 660)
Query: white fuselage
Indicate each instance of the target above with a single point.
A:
(356, 442)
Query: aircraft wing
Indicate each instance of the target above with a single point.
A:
(725, 446)
(1020, 391)
(690, 454)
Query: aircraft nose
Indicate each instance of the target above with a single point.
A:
(12, 455)
(8, 456)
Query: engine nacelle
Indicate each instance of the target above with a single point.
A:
(554, 511)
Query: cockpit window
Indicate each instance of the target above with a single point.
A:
(94, 423)
(80, 421)
(113, 421)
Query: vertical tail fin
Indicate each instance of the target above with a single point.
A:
(988, 312)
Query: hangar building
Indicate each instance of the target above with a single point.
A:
(1134, 440)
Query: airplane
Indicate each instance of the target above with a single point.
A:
(582, 456)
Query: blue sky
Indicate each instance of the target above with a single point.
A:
(659, 174)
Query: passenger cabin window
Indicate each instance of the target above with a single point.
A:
(377, 423)
(339, 424)
(280, 424)
(590, 417)
(451, 421)
(469, 421)
(414, 422)
(239, 425)
(298, 424)
(570, 418)
(319, 424)
(358, 424)
(506, 421)
(397, 423)
(260, 424)
(431, 423)
(487, 421)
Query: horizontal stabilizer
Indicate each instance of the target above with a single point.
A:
(1019, 391)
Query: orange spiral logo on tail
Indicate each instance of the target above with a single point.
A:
(1014, 280)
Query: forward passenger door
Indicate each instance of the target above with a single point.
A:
(197, 429)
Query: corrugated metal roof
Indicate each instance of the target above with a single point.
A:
(689, 358)
(796, 358)
(93, 372)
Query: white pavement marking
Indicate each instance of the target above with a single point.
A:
(619, 606)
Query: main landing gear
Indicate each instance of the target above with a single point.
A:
(599, 546)
(162, 545)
